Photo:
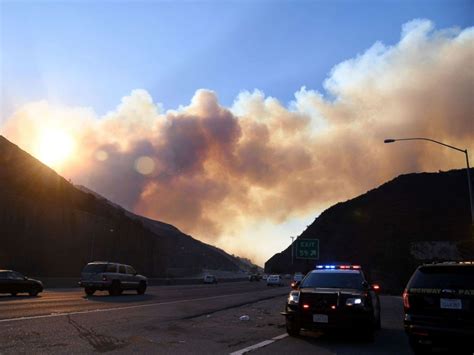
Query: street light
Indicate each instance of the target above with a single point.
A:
(292, 249)
(392, 140)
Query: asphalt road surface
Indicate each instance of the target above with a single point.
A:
(197, 319)
(391, 339)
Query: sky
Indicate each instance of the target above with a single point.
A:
(236, 121)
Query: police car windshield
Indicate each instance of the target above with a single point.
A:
(334, 279)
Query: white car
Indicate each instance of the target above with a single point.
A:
(274, 280)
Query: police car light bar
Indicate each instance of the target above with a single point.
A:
(343, 267)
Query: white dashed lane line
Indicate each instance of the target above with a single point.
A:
(259, 345)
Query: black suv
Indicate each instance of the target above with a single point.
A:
(439, 306)
(333, 296)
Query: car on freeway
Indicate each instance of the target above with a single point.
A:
(209, 279)
(274, 280)
(333, 297)
(439, 306)
(13, 282)
(112, 277)
(297, 277)
(255, 277)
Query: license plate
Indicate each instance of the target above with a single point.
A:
(450, 303)
(320, 318)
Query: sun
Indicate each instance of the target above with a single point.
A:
(55, 147)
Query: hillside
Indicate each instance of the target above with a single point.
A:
(389, 230)
(49, 227)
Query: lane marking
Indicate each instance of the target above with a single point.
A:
(112, 309)
(259, 345)
(280, 336)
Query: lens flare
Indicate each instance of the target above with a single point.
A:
(145, 165)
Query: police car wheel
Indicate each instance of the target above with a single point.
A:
(378, 323)
(368, 334)
(292, 328)
(89, 291)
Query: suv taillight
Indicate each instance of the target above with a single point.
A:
(406, 302)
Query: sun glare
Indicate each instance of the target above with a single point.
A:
(55, 147)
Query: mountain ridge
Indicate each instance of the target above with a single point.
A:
(50, 227)
(384, 228)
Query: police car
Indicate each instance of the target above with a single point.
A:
(333, 297)
(439, 307)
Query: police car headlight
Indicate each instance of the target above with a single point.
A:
(357, 301)
(294, 297)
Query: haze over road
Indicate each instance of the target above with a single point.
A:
(172, 319)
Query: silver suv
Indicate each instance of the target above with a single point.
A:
(112, 277)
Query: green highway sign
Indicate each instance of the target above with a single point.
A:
(307, 249)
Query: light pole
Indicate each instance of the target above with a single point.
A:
(392, 140)
(292, 249)
(92, 247)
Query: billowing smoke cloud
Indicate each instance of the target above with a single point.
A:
(210, 170)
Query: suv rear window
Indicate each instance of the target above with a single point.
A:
(94, 268)
(111, 268)
(334, 280)
(443, 276)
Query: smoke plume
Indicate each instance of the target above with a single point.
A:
(210, 170)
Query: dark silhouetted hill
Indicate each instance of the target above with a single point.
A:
(49, 227)
(412, 219)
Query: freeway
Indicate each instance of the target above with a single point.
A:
(196, 319)
(59, 301)
(60, 321)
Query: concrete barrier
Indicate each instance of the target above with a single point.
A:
(71, 282)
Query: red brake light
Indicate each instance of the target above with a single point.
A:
(406, 302)
(376, 287)
(306, 306)
(356, 266)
